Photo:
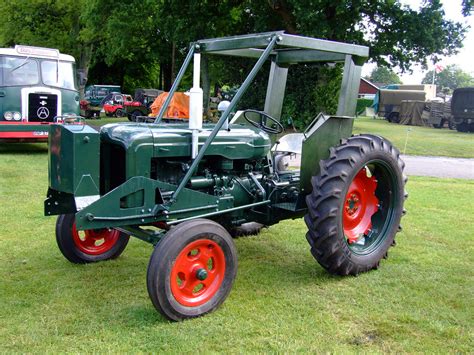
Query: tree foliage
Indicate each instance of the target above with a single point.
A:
(138, 43)
(452, 77)
(384, 75)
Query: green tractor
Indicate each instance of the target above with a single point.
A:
(185, 187)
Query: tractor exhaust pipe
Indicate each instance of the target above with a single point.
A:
(195, 106)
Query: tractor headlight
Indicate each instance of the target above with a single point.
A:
(16, 116)
(8, 115)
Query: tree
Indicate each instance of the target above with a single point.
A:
(143, 42)
(452, 77)
(46, 23)
(396, 34)
(384, 75)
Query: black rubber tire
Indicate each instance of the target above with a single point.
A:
(325, 203)
(393, 117)
(119, 113)
(133, 116)
(71, 252)
(165, 254)
(246, 230)
(451, 124)
(439, 125)
(462, 127)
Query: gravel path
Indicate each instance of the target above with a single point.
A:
(439, 167)
(442, 167)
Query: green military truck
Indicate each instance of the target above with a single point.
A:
(462, 109)
(93, 97)
(390, 102)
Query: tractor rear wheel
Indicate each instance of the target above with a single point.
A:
(355, 207)
(192, 269)
(88, 246)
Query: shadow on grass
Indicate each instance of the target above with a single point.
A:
(271, 261)
(23, 148)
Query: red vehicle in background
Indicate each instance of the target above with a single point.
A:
(113, 104)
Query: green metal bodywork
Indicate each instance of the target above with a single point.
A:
(133, 175)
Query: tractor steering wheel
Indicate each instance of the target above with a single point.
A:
(275, 128)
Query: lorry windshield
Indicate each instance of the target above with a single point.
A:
(18, 71)
(24, 71)
(62, 76)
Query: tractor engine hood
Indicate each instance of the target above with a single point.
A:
(174, 140)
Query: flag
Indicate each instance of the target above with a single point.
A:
(438, 68)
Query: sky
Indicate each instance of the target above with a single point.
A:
(463, 59)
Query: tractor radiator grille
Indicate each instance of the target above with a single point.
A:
(112, 166)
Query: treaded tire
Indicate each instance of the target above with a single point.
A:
(462, 127)
(439, 125)
(119, 113)
(327, 205)
(246, 230)
(393, 117)
(133, 116)
(72, 251)
(170, 257)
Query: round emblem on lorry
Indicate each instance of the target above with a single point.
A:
(43, 113)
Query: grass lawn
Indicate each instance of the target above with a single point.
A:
(420, 300)
(420, 140)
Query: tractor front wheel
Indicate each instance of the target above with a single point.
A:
(355, 207)
(192, 269)
(88, 246)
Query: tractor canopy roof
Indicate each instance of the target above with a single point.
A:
(289, 49)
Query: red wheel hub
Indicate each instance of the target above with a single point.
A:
(197, 273)
(360, 205)
(95, 241)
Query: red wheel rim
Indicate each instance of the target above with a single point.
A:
(95, 242)
(197, 273)
(360, 205)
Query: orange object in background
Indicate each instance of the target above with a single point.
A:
(178, 107)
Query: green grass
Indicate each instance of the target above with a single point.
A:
(420, 140)
(420, 300)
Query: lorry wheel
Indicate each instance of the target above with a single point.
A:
(462, 127)
(192, 269)
(119, 113)
(451, 124)
(82, 247)
(439, 125)
(393, 117)
(355, 207)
